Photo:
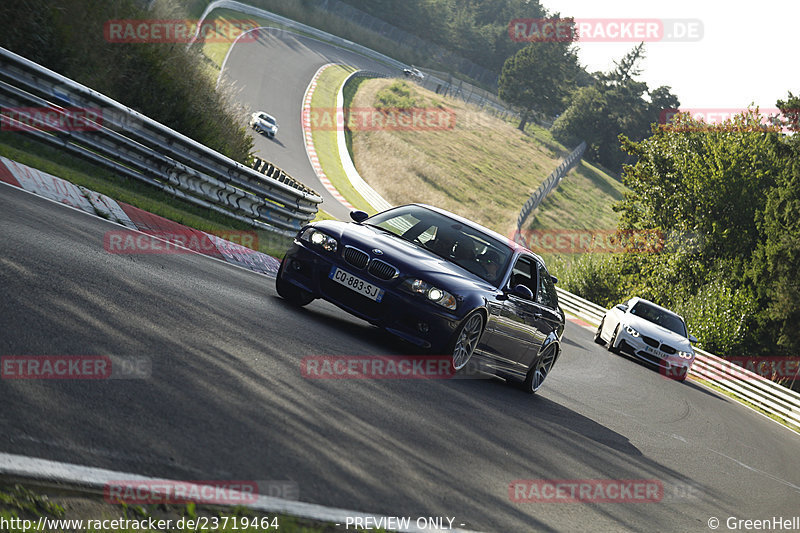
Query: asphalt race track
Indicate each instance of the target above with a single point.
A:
(271, 74)
(226, 399)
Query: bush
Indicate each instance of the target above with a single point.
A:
(396, 96)
(166, 82)
(719, 316)
(596, 277)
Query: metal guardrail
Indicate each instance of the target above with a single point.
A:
(133, 145)
(549, 184)
(751, 387)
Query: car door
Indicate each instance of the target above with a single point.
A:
(515, 325)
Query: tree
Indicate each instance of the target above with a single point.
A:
(617, 103)
(538, 78)
(705, 187)
(776, 262)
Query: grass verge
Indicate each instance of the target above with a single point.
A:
(478, 166)
(583, 200)
(323, 103)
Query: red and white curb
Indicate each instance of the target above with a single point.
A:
(313, 158)
(65, 192)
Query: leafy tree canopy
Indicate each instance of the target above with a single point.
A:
(539, 77)
(617, 103)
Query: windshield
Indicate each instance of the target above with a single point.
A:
(660, 317)
(476, 251)
(267, 118)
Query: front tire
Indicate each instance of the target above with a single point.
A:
(597, 338)
(613, 341)
(465, 340)
(539, 370)
(290, 293)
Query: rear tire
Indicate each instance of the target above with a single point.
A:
(290, 293)
(539, 370)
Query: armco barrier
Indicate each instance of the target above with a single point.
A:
(136, 146)
(767, 395)
(549, 184)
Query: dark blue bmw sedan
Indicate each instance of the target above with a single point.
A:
(436, 280)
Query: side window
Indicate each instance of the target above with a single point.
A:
(524, 273)
(547, 295)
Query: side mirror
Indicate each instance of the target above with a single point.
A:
(359, 216)
(692, 338)
(555, 279)
(622, 307)
(521, 291)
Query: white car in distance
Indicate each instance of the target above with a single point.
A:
(649, 332)
(264, 123)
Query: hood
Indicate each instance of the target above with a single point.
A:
(410, 259)
(645, 327)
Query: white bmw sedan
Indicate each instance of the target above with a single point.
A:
(649, 332)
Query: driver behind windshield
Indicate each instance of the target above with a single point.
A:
(490, 260)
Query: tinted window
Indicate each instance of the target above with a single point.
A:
(658, 316)
(524, 273)
(476, 251)
(547, 295)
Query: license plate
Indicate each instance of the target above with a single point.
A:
(356, 284)
(655, 352)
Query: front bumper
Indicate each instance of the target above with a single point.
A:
(671, 364)
(266, 128)
(405, 315)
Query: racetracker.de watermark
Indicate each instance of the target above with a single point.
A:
(760, 369)
(179, 30)
(125, 242)
(609, 30)
(581, 241)
(586, 491)
(385, 119)
(725, 119)
(80, 367)
(388, 367)
(180, 492)
(61, 119)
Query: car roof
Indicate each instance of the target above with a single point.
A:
(516, 247)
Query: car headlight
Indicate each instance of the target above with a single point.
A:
(685, 355)
(632, 332)
(323, 240)
(434, 294)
